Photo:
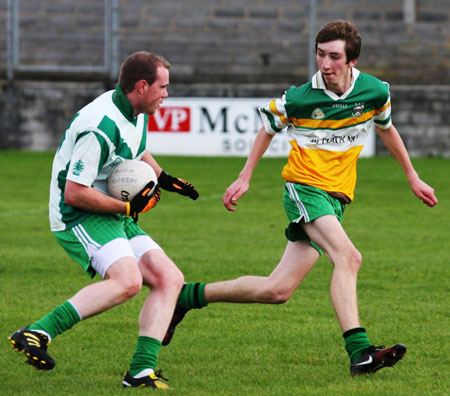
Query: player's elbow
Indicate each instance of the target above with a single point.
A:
(69, 199)
(73, 193)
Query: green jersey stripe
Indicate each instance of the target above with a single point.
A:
(99, 137)
(271, 119)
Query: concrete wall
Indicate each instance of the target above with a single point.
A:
(223, 48)
(34, 114)
(422, 117)
(237, 41)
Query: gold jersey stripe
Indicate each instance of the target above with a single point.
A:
(327, 124)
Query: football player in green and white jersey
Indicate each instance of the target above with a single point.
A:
(100, 232)
(327, 121)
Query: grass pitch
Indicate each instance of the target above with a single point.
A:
(231, 349)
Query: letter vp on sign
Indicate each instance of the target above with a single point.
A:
(170, 119)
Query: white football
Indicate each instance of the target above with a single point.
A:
(130, 177)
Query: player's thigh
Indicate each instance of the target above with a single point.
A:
(96, 243)
(297, 260)
(303, 205)
(125, 270)
(156, 267)
(328, 233)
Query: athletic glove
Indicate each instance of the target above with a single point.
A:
(169, 183)
(143, 201)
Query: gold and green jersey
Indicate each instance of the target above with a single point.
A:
(99, 137)
(326, 131)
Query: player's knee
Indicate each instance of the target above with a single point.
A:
(280, 298)
(348, 260)
(130, 286)
(355, 260)
(176, 280)
(171, 280)
(276, 295)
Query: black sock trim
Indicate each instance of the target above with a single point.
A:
(197, 301)
(353, 331)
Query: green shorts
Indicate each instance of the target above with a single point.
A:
(97, 230)
(304, 204)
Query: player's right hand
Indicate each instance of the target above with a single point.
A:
(233, 193)
(143, 201)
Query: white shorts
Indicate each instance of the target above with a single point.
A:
(103, 257)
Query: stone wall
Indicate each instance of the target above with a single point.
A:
(236, 41)
(422, 117)
(34, 114)
(223, 48)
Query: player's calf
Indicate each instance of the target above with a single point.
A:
(178, 316)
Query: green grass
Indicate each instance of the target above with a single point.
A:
(224, 349)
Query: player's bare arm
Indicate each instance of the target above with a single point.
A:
(393, 141)
(148, 158)
(92, 200)
(242, 184)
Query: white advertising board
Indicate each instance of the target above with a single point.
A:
(215, 127)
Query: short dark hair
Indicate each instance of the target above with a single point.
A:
(341, 30)
(140, 66)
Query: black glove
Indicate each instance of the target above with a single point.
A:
(170, 183)
(143, 201)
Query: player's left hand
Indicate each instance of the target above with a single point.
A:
(424, 192)
(174, 184)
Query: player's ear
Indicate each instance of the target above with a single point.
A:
(140, 86)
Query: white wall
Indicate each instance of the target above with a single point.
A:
(215, 127)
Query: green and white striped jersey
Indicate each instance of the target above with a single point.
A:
(99, 137)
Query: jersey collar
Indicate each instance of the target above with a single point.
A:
(318, 82)
(123, 104)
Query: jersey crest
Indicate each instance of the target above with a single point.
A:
(358, 109)
(318, 114)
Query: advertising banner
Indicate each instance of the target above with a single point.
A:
(215, 127)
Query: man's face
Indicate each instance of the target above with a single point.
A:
(332, 62)
(153, 95)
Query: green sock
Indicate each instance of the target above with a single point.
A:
(62, 318)
(356, 341)
(192, 295)
(145, 356)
